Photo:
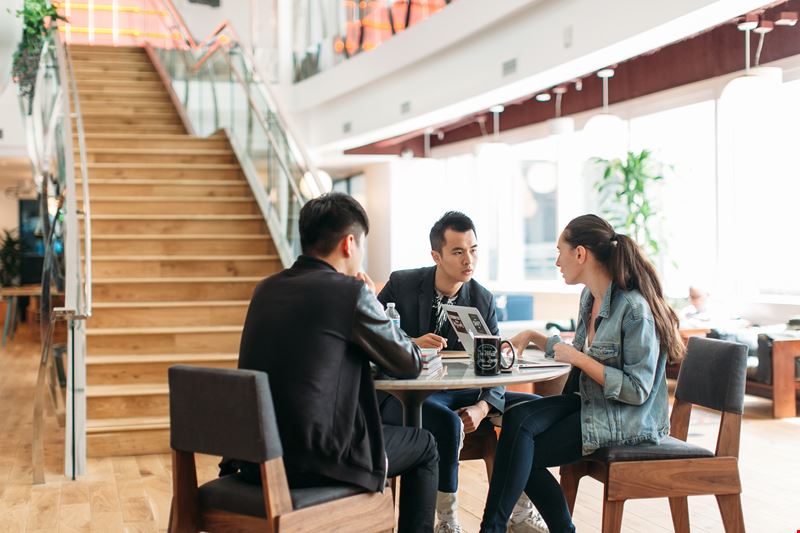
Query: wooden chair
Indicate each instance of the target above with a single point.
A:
(481, 444)
(228, 412)
(713, 376)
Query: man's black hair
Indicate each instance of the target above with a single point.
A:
(454, 220)
(325, 220)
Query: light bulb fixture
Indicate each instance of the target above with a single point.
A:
(310, 188)
(496, 110)
(560, 125)
(543, 97)
(763, 28)
(786, 18)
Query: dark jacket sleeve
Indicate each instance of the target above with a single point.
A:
(385, 345)
(387, 293)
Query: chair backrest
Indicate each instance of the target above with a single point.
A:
(713, 375)
(221, 411)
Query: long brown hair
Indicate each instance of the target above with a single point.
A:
(629, 269)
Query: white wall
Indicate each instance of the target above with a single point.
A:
(13, 141)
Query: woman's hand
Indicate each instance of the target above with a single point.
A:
(564, 353)
(520, 341)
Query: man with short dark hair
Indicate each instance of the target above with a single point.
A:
(418, 295)
(315, 328)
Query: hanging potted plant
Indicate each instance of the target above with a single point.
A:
(37, 18)
(627, 188)
(10, 259)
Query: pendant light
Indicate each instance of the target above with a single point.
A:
(757, 82)
(605, 134)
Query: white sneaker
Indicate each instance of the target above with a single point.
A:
(447, 527)
(527, 521)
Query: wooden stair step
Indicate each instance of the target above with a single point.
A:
(135, 400)
(206, 265)
(136, 128)
(123, 95)
(165, 187)
(126, 108)
(206, 244)
(169, 204)
(126, 424)
(181, 288)
(139, 368)
(175, 339)
(161, 155)
(177, 224)
(89, 74)
(164, 171)
(154, 140)
(111, 61)
(108, 437)
(176, 313)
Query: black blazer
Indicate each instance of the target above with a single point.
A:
(315, 331)
(412, 292)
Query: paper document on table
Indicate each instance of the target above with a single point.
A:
(466, 322)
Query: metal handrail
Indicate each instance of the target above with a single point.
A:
(86, 208)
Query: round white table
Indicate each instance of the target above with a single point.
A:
(459, 374)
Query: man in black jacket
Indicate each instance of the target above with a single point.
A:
(418, 295)
(315, 328)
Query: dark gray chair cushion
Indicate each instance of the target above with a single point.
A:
(231, 494)
(221, 411)
(669, 448)
(713, 375)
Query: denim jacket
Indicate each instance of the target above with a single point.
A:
(632, 406)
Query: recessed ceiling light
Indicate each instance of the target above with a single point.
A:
(543, 97)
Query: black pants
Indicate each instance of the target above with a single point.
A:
(411, 453)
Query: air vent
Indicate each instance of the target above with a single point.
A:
(346, 127)
(405, 107)
(510, 67)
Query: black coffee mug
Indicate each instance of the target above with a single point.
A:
(488, 357)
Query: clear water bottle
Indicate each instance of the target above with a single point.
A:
(392, 314)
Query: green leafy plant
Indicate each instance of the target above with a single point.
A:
(626, 189)
(37, 18)
(10, 259)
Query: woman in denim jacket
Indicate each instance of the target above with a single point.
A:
(617, 390)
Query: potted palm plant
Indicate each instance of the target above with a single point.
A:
(10, 259)
(627, 188)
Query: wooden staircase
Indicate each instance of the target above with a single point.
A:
(178, 246)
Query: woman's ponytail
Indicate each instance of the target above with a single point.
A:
(630, 270)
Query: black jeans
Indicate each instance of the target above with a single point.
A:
(440, 417)
(536, 435)
(412, 454)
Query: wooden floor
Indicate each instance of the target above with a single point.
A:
(132, 494)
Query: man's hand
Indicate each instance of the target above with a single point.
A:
(367, 281)
(473, 415)
(431, 340)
